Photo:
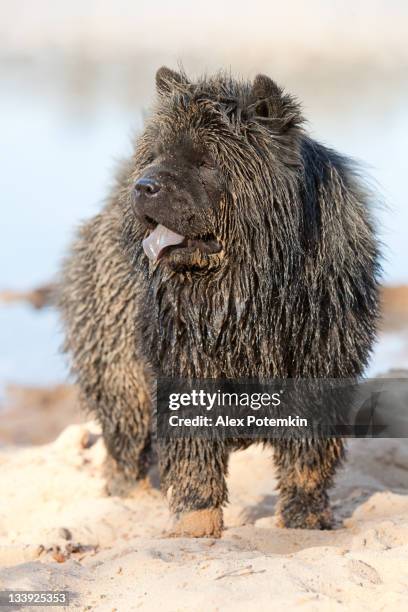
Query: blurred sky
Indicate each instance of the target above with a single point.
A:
(76, 78)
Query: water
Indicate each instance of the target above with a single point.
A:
(57, 151)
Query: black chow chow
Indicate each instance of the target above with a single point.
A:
(232, 246)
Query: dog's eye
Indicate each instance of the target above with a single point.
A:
(150, 159)
(154, 157)
(206, 162)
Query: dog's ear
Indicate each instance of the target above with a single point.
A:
(263, 86)
(270, 103)
(166, 79)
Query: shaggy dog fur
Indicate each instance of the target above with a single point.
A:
(277, 277)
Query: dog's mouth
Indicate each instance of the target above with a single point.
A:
(162, 242)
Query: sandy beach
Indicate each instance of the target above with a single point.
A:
(60, 530)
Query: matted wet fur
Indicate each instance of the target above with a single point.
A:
(277, 277)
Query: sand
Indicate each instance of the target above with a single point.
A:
(58, 529)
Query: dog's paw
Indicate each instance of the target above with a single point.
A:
(302, 518)
(120, 484)
(206, 523)
(123, 487)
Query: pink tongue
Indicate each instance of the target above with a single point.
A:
(158, 240)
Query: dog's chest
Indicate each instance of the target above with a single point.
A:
(213, 334)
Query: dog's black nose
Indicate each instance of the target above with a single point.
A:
(147, 187)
